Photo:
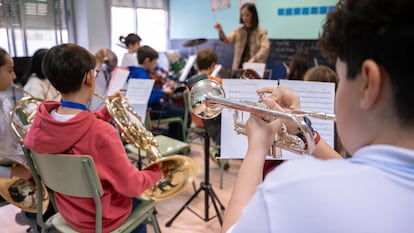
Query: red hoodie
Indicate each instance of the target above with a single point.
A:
(89, 133)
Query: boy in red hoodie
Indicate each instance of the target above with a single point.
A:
(70, 127)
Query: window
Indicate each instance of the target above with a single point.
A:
(29, 25)
(147, 18)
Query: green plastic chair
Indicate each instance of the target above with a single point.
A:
(156, 123)
(77, 176)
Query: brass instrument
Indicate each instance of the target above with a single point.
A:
(177, 170)
(17, 191)
(207, 99)
(22, 114)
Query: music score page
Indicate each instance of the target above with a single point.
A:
(138, 93)
(314, 96)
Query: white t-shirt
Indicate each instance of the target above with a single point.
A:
(371, 192)
(41, 88)
(129, 59)
(10, 149)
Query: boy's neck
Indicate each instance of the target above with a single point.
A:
(207, 72)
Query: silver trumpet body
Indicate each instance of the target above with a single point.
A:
(207, 99)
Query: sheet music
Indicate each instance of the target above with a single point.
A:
(138, 93)
(118, 80)
(216, 70)
(258, 67)
(315, 96)
(187, 68)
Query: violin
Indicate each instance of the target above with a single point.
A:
(159, 80)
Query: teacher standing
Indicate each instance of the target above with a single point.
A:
(250, 40)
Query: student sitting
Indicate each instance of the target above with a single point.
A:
(158, 103)
(70, 127)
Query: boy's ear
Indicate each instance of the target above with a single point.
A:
(89, 77)
(146, 60)
(372, 84)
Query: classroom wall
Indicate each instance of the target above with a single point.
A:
(284, 19)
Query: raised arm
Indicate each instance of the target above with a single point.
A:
(227, 39)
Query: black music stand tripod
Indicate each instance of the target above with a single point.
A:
(206, 187)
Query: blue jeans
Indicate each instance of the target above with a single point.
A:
(142, 228)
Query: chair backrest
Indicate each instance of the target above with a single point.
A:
(73, 175)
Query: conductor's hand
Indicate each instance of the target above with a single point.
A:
(218, 27)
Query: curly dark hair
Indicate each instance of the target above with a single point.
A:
(381, 30)
(66, 65)
(130, 39)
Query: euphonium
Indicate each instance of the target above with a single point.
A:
(207, 99)
(22, 114)
(177, 170)
(14, 188)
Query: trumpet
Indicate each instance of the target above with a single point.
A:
(207, 99)
(178, 170)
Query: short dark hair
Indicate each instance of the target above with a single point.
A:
(380, 30)
(3, 55)
(131, 38)
(205, 58)
(66, 65)
(252, 9)
(300, 63)
(35, 66)
(146, 52)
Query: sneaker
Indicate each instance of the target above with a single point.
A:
(23, 220)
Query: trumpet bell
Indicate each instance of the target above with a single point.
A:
(199, 103)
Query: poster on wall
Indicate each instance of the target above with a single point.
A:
(219, 4)
(245, 1)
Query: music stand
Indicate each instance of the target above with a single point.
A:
(206, 187)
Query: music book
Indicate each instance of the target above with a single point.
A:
(314, 96)
(216, 70)
(187, 68)
(118, 80)
(138, 93)
(258, 67)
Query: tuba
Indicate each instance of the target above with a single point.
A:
(207, 99)
(17, 191)
(178, 170)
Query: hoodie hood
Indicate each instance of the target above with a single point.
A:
(54, 136)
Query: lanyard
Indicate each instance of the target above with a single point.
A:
(69, 104)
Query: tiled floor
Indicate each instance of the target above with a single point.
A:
(167, 208)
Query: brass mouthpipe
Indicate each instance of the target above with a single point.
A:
(17, 87)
